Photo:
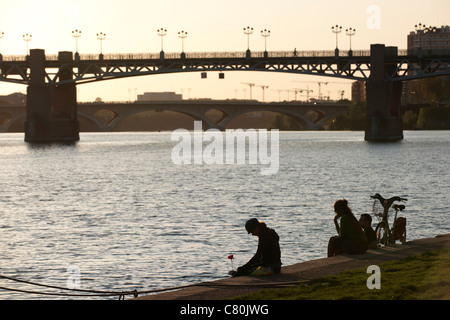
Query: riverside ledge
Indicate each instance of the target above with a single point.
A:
(308, 270)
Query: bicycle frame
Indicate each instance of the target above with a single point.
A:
(384, 233)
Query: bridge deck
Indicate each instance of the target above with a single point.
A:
(406, 65)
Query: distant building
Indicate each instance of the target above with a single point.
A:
(429, 40)
(159, 96)
(358, 91)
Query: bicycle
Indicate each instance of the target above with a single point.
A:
(385, 235)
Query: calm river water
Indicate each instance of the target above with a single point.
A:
(117, 209)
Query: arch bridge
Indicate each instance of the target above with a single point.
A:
(52, 80)
(198, 110)
(12, 116)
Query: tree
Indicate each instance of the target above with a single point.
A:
(435, 89)
(410, 120)
(353, 119)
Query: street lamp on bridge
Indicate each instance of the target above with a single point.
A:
(265, 33)
(2, 35)
(27, 38)
(162, 32)
(350, 32)
(101, 36)
(248, 31)
(182, 35)
(336, 29)
(76, 34)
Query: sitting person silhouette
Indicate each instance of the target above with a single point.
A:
(365, 221)
(351, 238)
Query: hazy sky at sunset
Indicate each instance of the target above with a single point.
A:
(212, 25)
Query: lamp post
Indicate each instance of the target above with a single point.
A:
(336, 29)
(419, 30)
(265, 33)
(27, 38)
(182, 35)
(430, 30)
(248, 31)
(162, 32)
(76, 34)
(101, 36)
(350, 32)
(2, 35)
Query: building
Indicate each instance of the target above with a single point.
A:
(358, 91)
(159, 96)
(424, 41)
(429, 39)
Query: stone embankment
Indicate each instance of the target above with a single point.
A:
(232, 287)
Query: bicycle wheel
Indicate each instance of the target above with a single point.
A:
(403, 238)
(382, 233)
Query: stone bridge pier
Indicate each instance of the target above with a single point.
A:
(384, 121)
(51, 109)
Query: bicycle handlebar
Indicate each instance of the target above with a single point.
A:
(387, 202)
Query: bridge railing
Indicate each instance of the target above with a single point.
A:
(201, 55)
(237, 54)
(222, 55)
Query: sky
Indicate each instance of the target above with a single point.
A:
(212, 25)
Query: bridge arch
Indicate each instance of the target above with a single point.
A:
(9, 121)
(301, 119)
(91, 121)
(195, 116)
(225, 112)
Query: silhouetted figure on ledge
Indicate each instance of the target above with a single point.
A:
(267, 259)
(351, 238)
(365, 221)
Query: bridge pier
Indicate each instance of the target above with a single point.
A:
(384, 121)
(51, 109)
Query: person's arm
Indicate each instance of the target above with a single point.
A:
(336, 223)
(244, 269)
(344, 227)
(251, 262)
(371, 238)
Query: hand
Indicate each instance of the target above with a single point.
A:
(336, 223)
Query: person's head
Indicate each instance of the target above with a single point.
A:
(341, 208)
(253, 226)
(365, 220)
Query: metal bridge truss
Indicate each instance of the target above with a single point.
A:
(399, 68)
(410, 69)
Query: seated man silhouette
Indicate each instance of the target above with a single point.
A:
(267, 259)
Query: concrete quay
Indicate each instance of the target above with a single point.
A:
(309, 270)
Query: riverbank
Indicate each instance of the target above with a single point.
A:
(290, 275)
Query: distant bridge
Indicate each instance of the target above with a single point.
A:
(198, 110)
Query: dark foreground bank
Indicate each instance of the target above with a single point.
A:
(290, 275)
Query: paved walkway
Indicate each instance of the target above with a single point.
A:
(232, 287)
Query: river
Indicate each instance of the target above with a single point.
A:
(113, 211)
